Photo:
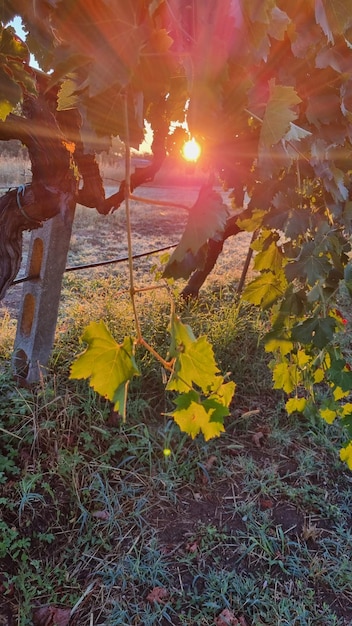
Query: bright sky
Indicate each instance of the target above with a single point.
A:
(17, 24)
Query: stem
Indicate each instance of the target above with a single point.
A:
(168, 365)
(128, 218)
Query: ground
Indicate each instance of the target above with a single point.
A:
(97, 238)
(122, 524)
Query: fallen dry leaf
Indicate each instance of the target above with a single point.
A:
(192, 547)
(257, 438)
(51, 616)
(210, 462)
(226, 618)
(158, 594)
(266, 503)
(104, 515)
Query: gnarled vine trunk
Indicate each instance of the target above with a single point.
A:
(52, 189)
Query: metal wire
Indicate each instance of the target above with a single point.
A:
(76, 268)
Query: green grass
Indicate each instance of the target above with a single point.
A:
(94, 516)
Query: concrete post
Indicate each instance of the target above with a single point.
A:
(41, 297)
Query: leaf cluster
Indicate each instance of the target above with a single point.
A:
(267, 90)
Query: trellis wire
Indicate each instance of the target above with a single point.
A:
(76, 268)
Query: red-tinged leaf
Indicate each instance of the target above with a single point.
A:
(158, 595)
(51, 616)
(278, 23)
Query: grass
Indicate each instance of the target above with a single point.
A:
(98, 521)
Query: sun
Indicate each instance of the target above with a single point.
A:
(191, 150)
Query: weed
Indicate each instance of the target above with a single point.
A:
(107, 512)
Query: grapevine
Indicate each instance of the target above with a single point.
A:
(266, 90)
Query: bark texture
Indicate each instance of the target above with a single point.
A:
(52, 189)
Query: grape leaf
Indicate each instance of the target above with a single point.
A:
(315, 330)
(334, 16)
(114, 47)
(280, 341)
(338, 394)
(285, 376)
(278, 115)
(340, 375)
(224, 393)
(311, 265)
(346, 455)
(328, 415)
(194, 360)
(348, 277)
(194, 417)
(109, 365)
(270, 258)
(265, 289)
(295, 404)
(11, 94)
(66, 66)
(206, 220)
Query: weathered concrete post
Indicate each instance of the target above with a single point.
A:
(38, 312)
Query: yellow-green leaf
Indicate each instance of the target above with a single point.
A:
(346, 455)
(193, 418)
(285, 376)
(347, 409)
(109, 365)
(282, 344)
(295, 404)
(339, 393)
(318, 376)
(252, 223)
(194, 360)
(270, 258)
(302, 358)
(328, 415)
(265, 289)
(225, 392)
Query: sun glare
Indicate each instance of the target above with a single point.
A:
(191, 150)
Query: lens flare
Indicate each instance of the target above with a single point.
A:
(191, 150)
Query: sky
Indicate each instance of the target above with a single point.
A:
(17, 24)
